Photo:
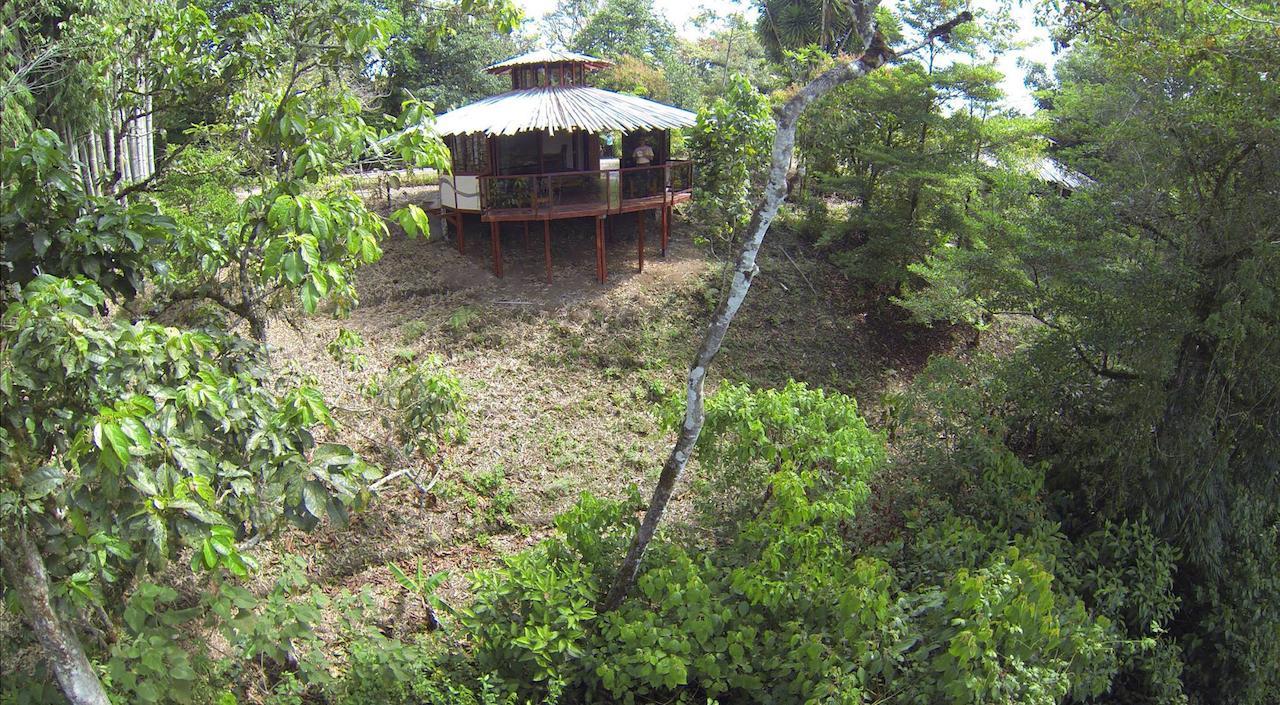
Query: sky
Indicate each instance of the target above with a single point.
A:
(1035, 39)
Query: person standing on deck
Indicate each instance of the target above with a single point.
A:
(643, 154)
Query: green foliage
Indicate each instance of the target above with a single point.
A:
(730, 47)
(279, 629)
(391, 672)
(975, 497)
(1148, 380)
(730, 144)
(1007, 640)
(913, 174)
(638, 37)
(128, 444)
(1090, 519)
(793, 24)
(423, 586)
(426, 405)
(294, 112)
(199, 187)
(153, 661)
(787, 611)
(1127, 574)
(751, 436)
(461, 320)
(530, 619)
(413, 331)
(53, 227)
(626, 28)
(86, 68)
(907, 151)
(820, 625)
(438, 56)
(115, 422)
(343, 349)
(634, 76)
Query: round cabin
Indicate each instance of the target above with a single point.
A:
(554, 147)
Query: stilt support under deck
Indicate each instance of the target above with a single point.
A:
(602, 273)
(462, 235)
(546, 246)
(641, 216)
(495, 243)
(666, 228)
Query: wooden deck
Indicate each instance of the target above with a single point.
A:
(585, 209)
(591, 194)
(662, 203)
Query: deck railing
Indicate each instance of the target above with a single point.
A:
(605, 190)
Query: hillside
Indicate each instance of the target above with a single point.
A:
(564, 381)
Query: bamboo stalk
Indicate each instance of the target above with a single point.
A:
(122, 148)
(111, 150)
(145, 133)
(91, 152)
(104, 164)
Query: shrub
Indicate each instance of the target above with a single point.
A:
(729, 143)
(787, 610)
(199, 187)
(426, 404)
(749, 436)
(1126, 573)
(344, 350)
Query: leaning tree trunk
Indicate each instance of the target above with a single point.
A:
(25, 572)
(745, 270)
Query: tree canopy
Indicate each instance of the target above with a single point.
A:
(1035, 461)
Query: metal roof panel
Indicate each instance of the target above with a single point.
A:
(548, 56)
(555, 108)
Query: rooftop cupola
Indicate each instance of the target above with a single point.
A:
(546, 68)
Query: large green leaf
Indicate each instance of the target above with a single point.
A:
(42, 481)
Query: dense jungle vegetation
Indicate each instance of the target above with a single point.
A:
(998, 422)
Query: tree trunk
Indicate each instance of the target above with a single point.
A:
(144, 134)
(745, 269)
(135, 148)
(99, 163)
(25, 572)
(122, 152)
(257, 327)
(113, 178)
(91, 160)
(77, 157)
(151, 135)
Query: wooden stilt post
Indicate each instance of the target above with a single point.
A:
(495, 242)
(462, 236)
(601, 261)
(641, 216)
(666, 228)
(546, 245)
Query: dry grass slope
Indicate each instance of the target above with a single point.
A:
(564, 379)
